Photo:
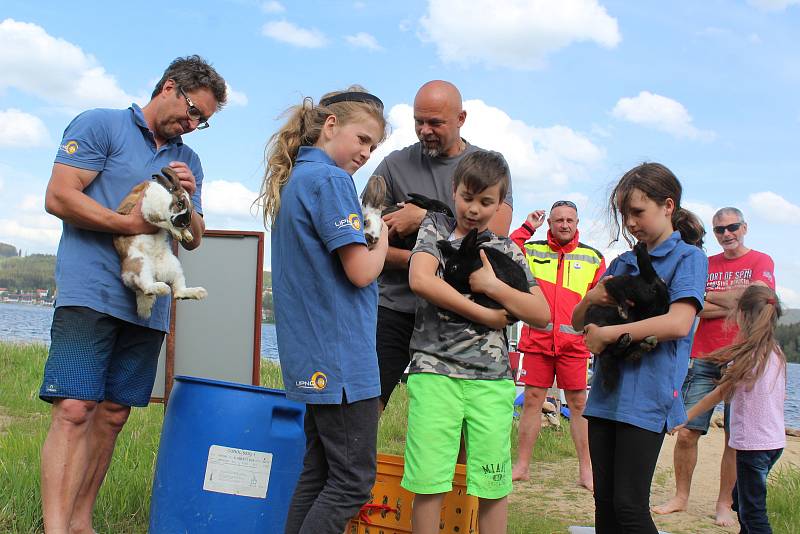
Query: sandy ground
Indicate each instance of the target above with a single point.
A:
(554, 489)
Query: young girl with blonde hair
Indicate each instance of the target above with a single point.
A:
(325, 299)
(755, 385)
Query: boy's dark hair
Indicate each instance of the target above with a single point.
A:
(194, 72)
(481, 169)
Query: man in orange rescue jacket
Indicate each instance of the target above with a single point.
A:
(565, 270)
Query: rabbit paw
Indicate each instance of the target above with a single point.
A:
(157, 288)
(195, 293)
(648, 343)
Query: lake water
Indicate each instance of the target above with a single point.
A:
(27, 323)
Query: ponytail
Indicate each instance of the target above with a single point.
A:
(689, 225)
(303, 128)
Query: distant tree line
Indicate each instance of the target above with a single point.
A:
(7, 251)
(267, 307)
(789, 339)
(26, 273)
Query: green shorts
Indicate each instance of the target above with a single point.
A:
(438, 408)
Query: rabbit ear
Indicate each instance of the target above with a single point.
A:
(446, 247)
(645, 263)
(163, 182)
(470, 241)
(172, 176)
(483, 239)
(375, 192)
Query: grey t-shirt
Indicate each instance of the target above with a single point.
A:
(410, 171)
(446, 344)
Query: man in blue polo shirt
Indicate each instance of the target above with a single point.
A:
(103, 356)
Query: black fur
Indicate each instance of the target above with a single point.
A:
(421, 201)
(460, 263)
(640, 297)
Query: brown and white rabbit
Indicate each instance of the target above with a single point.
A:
(149, 267)
(372, 201)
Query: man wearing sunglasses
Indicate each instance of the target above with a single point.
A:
(103, 356)
(565, 270)
(729, 274)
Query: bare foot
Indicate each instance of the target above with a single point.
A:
(520, 472)
(675, 504)
(725, 516)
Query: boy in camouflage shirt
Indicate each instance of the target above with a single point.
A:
(460, 373)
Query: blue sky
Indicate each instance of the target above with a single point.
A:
(573, 92)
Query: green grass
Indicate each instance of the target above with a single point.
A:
(783, 499)
(124, 501)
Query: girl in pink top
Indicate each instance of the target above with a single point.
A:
(755, 384)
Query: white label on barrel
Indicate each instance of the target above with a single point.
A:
(237, 471)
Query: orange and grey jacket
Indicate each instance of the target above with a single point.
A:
(564, 273)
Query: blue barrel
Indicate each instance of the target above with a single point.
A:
(229, 459)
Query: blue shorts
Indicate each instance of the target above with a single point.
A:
(701, 379)
(97, 357)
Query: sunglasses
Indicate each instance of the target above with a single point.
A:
(195, 114)
(568, 203)
(731, 228)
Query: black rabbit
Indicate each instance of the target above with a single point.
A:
(421, 201)
(639, 297)
(460, 263)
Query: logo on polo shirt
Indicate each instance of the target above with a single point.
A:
(317, 382)
(352, 221)
(70, 147)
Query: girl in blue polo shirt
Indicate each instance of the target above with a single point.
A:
(627, 424)
(326, 299)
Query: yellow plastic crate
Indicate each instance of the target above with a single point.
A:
(389, 509)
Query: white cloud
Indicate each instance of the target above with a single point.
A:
(537, 157)
(31, 231)
(773, 5)
(228, 199)
(661, 113)
(32, 203)
(404, 25)
(774, 208)
(235, 98)
(789, 297)
(703, 210)
(287, 32)
(21, 130)
(364, 40)
(513, 33)
(272, 7)
(55, 70)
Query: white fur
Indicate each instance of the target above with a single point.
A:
(160, 269)
(373, 224)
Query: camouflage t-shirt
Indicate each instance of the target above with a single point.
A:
(446, 344)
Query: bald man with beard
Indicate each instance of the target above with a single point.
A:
(425, 168)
